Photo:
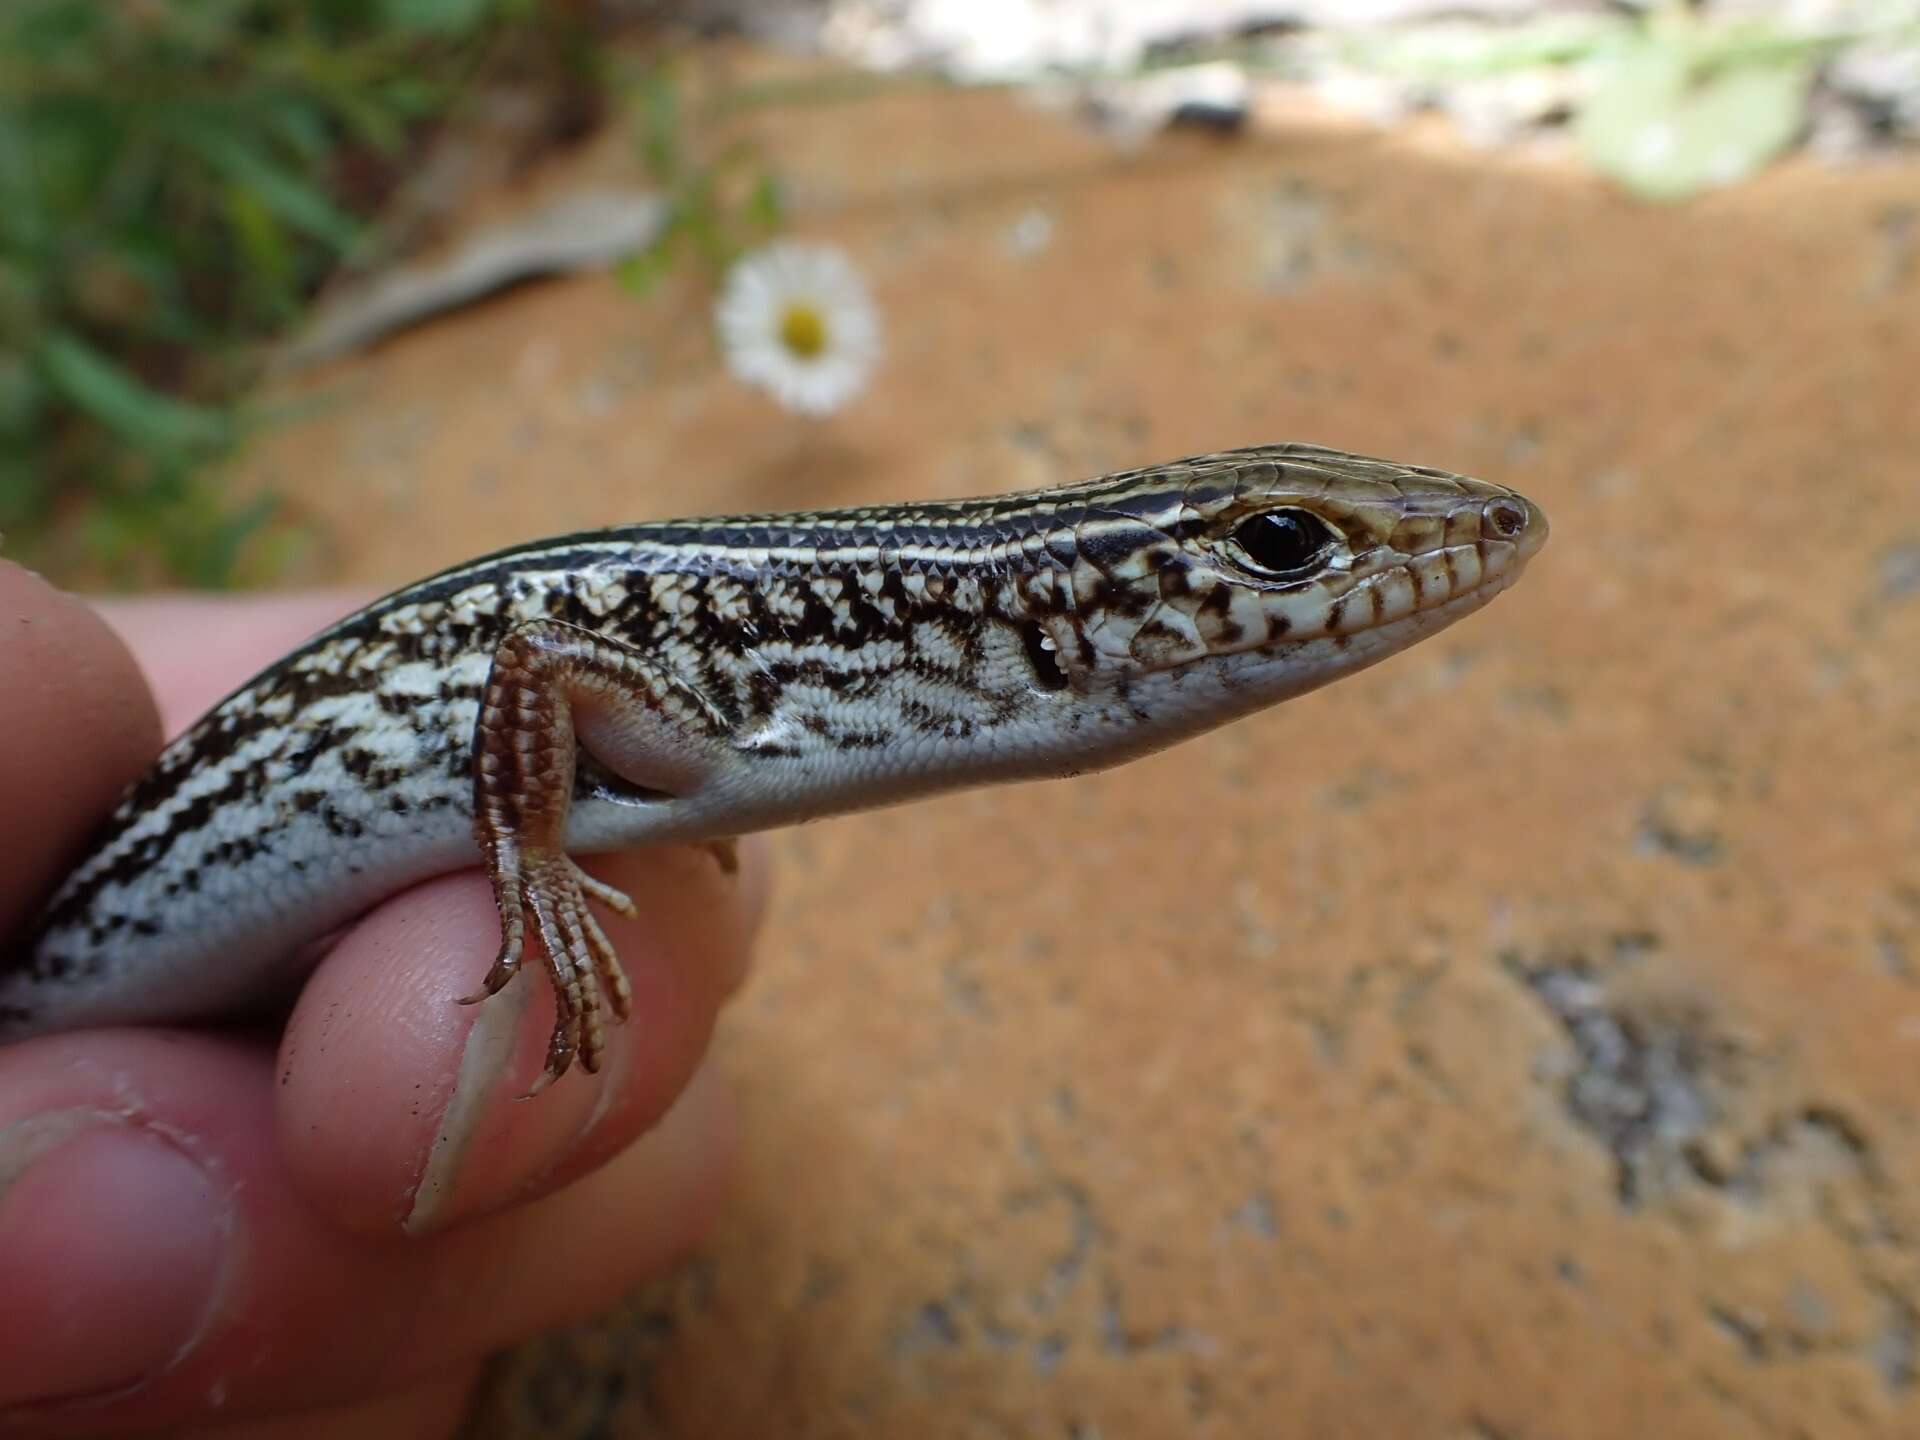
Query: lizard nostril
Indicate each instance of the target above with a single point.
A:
(1505, 517)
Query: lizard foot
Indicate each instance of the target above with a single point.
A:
(586, 973)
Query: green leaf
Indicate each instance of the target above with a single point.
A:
(23, 226)
(286, 194)
(25, 490)
(707, 234)
(640, 273)
(153, 421)
(766, 206)
(660, 124)
(438, 17)
(49, 33)
(271, 274)
(209, 553)
(300, 124)
(370, 114)
(22, 398)
(20, 302)
(1665, 126)
(1443, 51)
(172, 188)
(70, 147)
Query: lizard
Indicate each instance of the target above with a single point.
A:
(697, 680)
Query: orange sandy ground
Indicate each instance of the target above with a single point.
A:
(1226, 1095)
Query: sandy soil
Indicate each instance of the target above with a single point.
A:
(1519, 1040)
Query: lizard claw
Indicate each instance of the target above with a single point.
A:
(581, 960)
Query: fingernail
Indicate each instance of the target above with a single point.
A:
(113, 1250)
(485, 1062)
(493, 1145)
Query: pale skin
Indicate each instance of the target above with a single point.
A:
(246, 1213)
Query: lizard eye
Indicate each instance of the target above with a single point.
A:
(1282, 542)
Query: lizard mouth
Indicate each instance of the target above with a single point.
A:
(1467, 600)
(1512, 531)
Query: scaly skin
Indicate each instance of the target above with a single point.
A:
(697, 680)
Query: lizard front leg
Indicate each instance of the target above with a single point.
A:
(554, 687)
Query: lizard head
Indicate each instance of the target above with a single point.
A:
(1261, 573)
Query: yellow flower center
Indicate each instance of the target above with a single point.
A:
(803, 330)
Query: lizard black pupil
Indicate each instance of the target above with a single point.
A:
(1283, 541)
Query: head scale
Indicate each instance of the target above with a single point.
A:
(1269, 570)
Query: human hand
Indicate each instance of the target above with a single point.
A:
(199, 1234)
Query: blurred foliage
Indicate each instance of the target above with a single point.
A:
(718, 205)
(1677, 109)
(176, 177)
(1677, 99)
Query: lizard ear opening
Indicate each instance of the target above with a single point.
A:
(1048, 672)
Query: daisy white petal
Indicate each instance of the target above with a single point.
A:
(796, 321)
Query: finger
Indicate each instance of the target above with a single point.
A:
(195, 649)
(271, 1307)
(427, 1410)
(77, 727)
(755, 882)
(401, 1108)
(366, 1163)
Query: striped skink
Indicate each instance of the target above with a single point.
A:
(697, 680)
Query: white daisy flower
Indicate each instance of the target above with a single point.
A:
(796, 320)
